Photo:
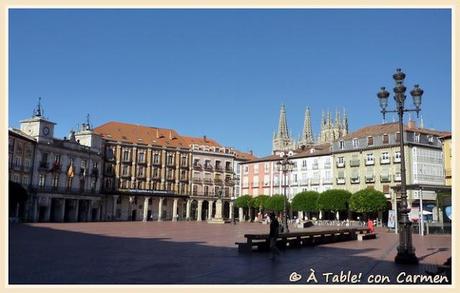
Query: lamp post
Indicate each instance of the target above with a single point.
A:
(236, 180)
(406, 252)
(285, 165)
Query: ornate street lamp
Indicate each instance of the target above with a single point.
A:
(285, 165)
(406, 252)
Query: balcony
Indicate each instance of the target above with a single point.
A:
(315, 167)
(385, 178)
(56, 167)
(340, 180)
(184, 165)
(315, 181)
(124, 175)
(142, 162)
(197, 167)
(305, 168)
(183, 179)
(43, 166)
(354, 163)
(156, 177)
(219, 169)
(140, 176)
(170, 164)
(126, 160)
(218, 181)
(170, 178)
(327, 180)
(340, 164)
(370, 179)
(229, 182)
(384, 161)
(303, 182)
(63, 190)
(397, 177)
(197, 180)
(207, 181)
(156, 163)
(369, 162)
(208, 168)
(229, 169)
(396, 159)
(354, 180)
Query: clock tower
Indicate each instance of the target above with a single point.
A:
(38, 126)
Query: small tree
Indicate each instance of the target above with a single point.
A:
(334, 200)
(368, 201)
(244, 202)
(306, 201)
(276, 203)
(260, 202)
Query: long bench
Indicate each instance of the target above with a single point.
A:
(261, 242)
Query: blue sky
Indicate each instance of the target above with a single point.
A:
(224, 73)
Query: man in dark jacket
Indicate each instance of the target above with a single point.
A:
(274, 231)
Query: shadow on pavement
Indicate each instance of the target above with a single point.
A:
(39, 255)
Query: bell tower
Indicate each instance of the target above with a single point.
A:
(38, 126)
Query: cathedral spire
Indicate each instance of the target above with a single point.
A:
(282, 124)
(307, 134)
(337, 119)
(421, 122)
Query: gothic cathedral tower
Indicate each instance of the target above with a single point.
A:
(281, 139)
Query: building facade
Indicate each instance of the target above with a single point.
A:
(447, 156)
(66, 175)
(370, 157)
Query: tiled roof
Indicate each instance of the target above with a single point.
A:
(244, 156)
(393, 127)
(189, 140)
(140, 134)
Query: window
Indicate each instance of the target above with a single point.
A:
(304, 164)
(25, 180)
(397, 157)
(57, 158)
(385, 138)
(267, 167)
(141, 158)
(41, 180)
(124, 170)
(246, 169)
(183, 161)
(341, 145)
(170, 159)
(83, 165)
(340, 162)
(156, 158)
(10, 144)
(397, 137)
(369, 159)
(385, 159)
(355, 143)
(126, 155)
(256, 168)
(56, 181)
(266, 180)
(255, 183)
(370, 140)
(140, 172)
(417, 137)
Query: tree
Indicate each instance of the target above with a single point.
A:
(368, 201)
(306, 201)
(276, 203)
(243, 201)
(260, 202)
(334, 200)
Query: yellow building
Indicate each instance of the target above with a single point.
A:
(447, 155)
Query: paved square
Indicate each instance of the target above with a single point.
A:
(193, 253)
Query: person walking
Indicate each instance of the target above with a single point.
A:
(274, 232)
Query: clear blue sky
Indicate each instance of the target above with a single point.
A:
(224, 73)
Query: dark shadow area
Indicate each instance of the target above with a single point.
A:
(39, 255)
(437, 250)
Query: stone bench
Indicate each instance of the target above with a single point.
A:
(366, 236)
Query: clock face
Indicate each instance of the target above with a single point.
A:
(46, 131)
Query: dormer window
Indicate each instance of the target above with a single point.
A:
(430, 139)
(385, 138)
(341, 145)
(370, 140)
(355, 143)
(417, 137)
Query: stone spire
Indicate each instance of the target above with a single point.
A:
(307, 134)
(345, 122)
(329, 120)
(421, 122)
(337, 119)
(282, 124)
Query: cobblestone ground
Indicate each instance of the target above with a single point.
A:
(196, 253)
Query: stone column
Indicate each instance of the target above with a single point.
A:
(200, 204)
(240, 214)
(210, 202)
(75, 218)
(160, 209)
(230, 214)
(146, 209)
(114, 207)
(219, 209)
(300, 214)
(189, 204)
(62, 210)
(90, 209)
(174, 216)
(48, 211)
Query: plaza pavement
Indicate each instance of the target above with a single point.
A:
(194, 253)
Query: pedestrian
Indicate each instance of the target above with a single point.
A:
(274, 232)
(370, 225)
